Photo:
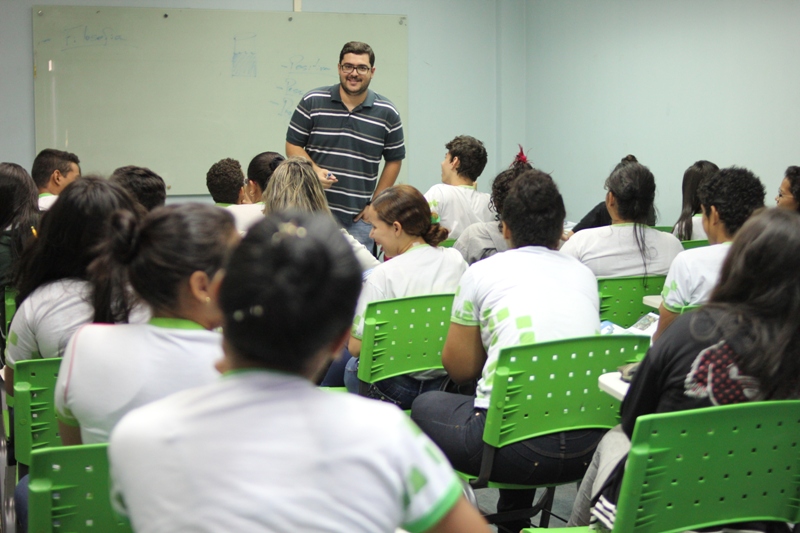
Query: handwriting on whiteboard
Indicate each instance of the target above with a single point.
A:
(290, 90)
(83, 35)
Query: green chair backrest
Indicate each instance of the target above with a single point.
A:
(688, 245)
(404, 335)
(69, 491)
(35, 424)
(10, 307)
(621, 298)
(666, 229)
(548, 387)
(447, 243)
(705, 467)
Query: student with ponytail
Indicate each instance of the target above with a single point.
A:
(401, 224)
(171, 260)
(689, 226)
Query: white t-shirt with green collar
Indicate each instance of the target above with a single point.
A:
(459, 206)
(266, 451)
(46, 200)
(109, 370)
(525, 295)
(693, 275)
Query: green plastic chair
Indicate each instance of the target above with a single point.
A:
(447, 243)
(621, 298)
(10, 307)
(69, 491)
(35, 424)
(707, 467)
(403, 335)
(688, 245)
(546, 388)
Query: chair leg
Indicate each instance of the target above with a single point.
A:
(546, 502)
(8, 516)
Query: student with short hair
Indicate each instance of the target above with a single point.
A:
(52, 171)
(401, 224)
(727, 199)
(145, 185)
(171, 259)
(457, 200)
(789, 192)
(259, 171)
(263, 449)
(530, 293)
(225, 181)
(689, 226)
(628, 247)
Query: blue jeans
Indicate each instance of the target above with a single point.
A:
(399, 390)
(359, 230)
(21, 503)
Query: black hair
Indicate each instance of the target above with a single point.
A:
(144, 184)
(502, 183)
(69, 234)
(261, 168)
(627, 160)
(18, 210)
(358, 48)
(735, 192)
(406, 205)
(534, 211)
(48, 161)
(634, 189)
(758, 293)
(793, 175)
(290, 288)
(158, 253)
(692, 178)
(224, 181)
(471, 156)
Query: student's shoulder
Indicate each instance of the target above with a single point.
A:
(384, 103)
(320, 94)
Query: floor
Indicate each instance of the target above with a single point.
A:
(562, 505)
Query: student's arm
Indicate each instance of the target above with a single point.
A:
(462, 518)
(354, 346)
(9, 380)
(463, 356)
(389, 175)
(666, 317)
(292, 150)
(70, 435)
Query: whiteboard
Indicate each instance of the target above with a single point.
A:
(176, 90)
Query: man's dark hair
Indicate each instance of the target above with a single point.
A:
(534, 211)
(735, 192)
(145, 185)
(471, 156)
(48, 161)
(290, 289)
(224, 181)
(793, 175)
(359, 48)
(262, 166)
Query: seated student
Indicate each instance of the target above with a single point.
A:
(456, 199)
(401, 224)
(295, 186)
(145, 185)
(52, 171)
(727, 199)
(263, 449)
(628, 247)
(171, 259)
(225, 182)
(54, 297)
(529, 293)
(484, 239)
(689, 226)
(789, 192)
(749, 330)
(259, 171)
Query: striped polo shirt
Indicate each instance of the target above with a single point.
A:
(350, 144)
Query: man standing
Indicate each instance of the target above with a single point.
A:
(345, 130)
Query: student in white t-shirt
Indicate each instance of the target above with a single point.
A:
(401, 224)
(259, 172)
(456, 200)
(727, 199)
(263, 449)
(689, 226)
(628, 247)
(530, 293)
(52, 171)
(171, 259)
(226, 183)
(54, 297)
(145, 185)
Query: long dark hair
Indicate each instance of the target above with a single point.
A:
(634, 189)
(691, 202)
(406, 205)
(503, 182)
(156, 254)
(70, 232)
(758, 294)
(18, 209)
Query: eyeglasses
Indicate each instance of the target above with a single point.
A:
(782, 194)
(347, 68)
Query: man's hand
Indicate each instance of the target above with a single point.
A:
(327, 179)
(363, 215)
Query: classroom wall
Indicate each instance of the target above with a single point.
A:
(670, 81)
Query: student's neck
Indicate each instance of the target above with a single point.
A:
(409, 244)
(719, 237)
(458, 180)
(351, 102)
(183, 314)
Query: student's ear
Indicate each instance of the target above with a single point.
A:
(200, 286)
(243, 196)
(713, 216)
(214, 286)
(611, 200)
(506, 232)
(398, 228)
(455, 162)
(56, 178)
